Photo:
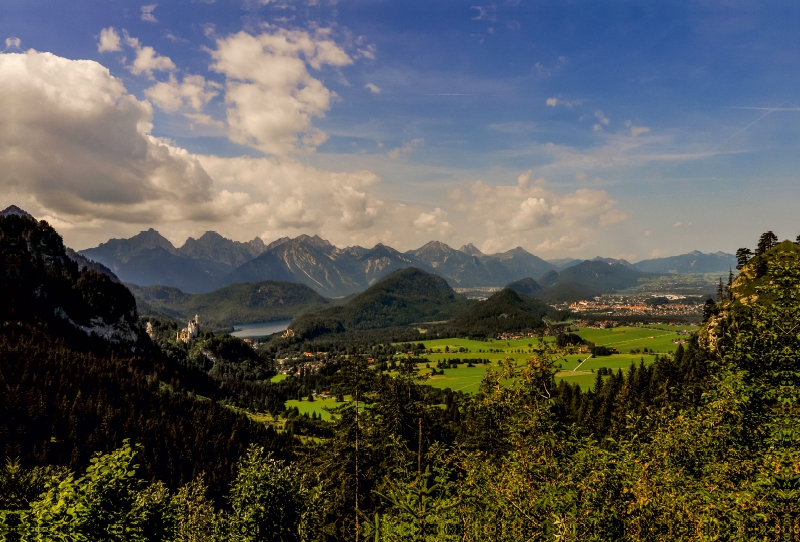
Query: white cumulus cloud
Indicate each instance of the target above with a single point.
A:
(271, 95)
(529, 214)
(13, 43)
(193, 91)
(291, 195)
(78, 144)
(533, 213)
(434, 221)
(109, 40)
(147, 60)
(372, 88)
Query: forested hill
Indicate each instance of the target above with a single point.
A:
(505, 310)
(404, 297)
(79, 375)
(42, 286)
(526, 286)
(236, 304)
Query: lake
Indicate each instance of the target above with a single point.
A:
(260, 329)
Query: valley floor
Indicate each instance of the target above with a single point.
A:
(579, 368)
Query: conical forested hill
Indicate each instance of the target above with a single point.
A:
(506, 310)
(403, 297)
(526, 286)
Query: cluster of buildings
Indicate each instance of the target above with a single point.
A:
(308, 361)
(634, 306)
(595, 324)
(517, 335)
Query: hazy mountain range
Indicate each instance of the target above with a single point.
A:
(693, 262)
(212, 261)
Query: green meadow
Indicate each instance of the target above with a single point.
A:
(577, 368)
(318, 405)
(574, 368)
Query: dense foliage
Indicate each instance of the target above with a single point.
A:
(59, 405)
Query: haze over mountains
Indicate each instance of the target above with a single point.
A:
(212, 261)
(693, 262)
(264, 301)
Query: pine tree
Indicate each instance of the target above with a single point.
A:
(720, 291)
(709, 308)
(730, 284)
(743, 255)
(766, 242)
(797, 240)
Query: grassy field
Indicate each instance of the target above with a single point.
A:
(318, 405)
(573, 368)
(656, 339)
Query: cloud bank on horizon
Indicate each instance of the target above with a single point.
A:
(321, 119)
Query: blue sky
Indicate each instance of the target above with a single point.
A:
(570, 128)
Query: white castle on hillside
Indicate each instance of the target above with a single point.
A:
(191, 331)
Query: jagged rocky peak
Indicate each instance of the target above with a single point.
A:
(213, 242)
(257, 244)
(316, 241)
(277, 242)
(380, 248)
(212, 239)
(146, 239)
(434, 247)
(209, 238)
(14, 210)
(471, 249)
(116, 252)
(211, 235)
